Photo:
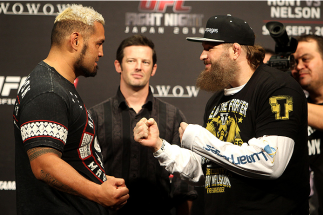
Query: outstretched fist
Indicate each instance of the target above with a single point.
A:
(146, 133)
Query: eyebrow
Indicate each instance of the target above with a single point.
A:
(137, 58)
(304, 55)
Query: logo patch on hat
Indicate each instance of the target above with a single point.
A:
(212, 30)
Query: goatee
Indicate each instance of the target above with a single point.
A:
(220, 75)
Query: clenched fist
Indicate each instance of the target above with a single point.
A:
(146, 133)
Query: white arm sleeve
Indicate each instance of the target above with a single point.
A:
(181, 161)
(266, 157)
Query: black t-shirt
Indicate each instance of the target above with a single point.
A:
(271, 103)
(49, 113)
(316, 161)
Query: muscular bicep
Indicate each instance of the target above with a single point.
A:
(45, 162)
(40, 157)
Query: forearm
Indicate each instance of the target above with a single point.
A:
(315, 116)
(180, 161)
(50, 168)
(174, 158)
(259, 158)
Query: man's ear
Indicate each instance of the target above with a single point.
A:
(153, 72)
(236, 50)
(75, 40)
(117, 65)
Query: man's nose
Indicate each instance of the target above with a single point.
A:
(203, 55)
(138, 65)
(299, 65)
(101, 52)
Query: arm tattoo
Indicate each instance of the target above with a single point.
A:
(53, 182)
(47, 177)
(36, 152)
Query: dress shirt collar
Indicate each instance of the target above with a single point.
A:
(123, 104)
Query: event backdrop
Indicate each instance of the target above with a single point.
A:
(25, 28)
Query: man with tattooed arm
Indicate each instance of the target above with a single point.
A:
(59, 166)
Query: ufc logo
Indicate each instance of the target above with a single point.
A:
(161, 6)
(10, 83)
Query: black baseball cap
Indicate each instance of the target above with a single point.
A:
(226, 29)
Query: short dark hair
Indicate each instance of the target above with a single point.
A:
(318, 39)
(135, 40)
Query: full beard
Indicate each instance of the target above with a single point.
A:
(220, 75)
(82, 70)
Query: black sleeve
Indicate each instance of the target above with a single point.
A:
(281, 113)
(44, 122)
